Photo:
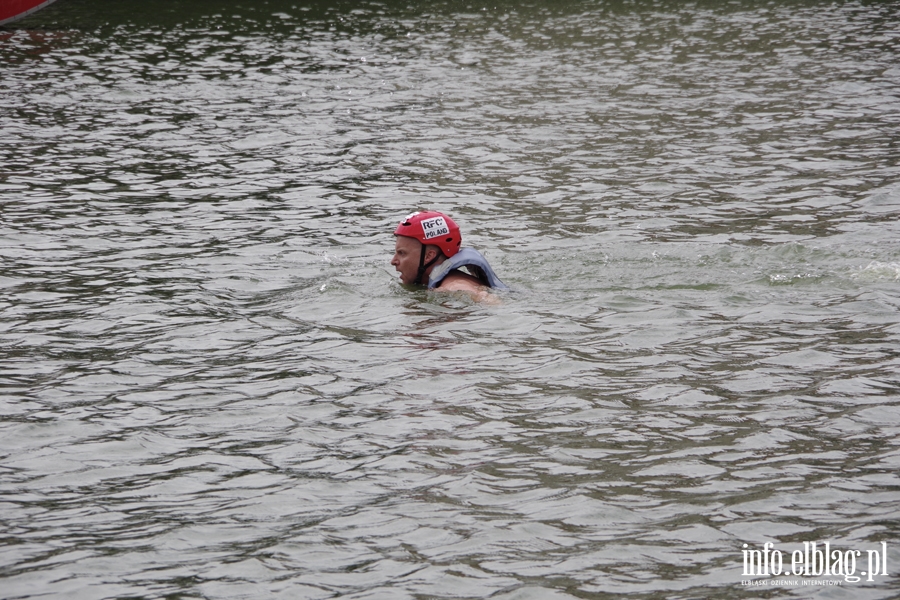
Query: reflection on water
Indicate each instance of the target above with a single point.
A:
(215, 387)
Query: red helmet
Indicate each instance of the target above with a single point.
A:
(431, 227)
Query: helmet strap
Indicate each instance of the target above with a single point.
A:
(424, 267)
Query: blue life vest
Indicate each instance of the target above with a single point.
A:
(476, 264)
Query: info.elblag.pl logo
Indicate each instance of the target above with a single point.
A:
(814, 559)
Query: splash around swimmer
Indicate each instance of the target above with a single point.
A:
(428, 251)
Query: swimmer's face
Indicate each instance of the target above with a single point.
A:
(407, 252)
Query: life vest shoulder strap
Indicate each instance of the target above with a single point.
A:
(466, 257)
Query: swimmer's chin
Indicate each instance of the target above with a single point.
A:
(409, 286)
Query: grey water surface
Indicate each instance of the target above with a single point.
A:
(212, 384)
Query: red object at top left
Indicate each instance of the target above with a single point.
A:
(13, 10)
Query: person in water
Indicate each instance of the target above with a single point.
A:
(428, 251)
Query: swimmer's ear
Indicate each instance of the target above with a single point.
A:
(431, 253)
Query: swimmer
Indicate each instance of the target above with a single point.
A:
(428, 252)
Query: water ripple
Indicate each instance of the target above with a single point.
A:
(213, 385)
